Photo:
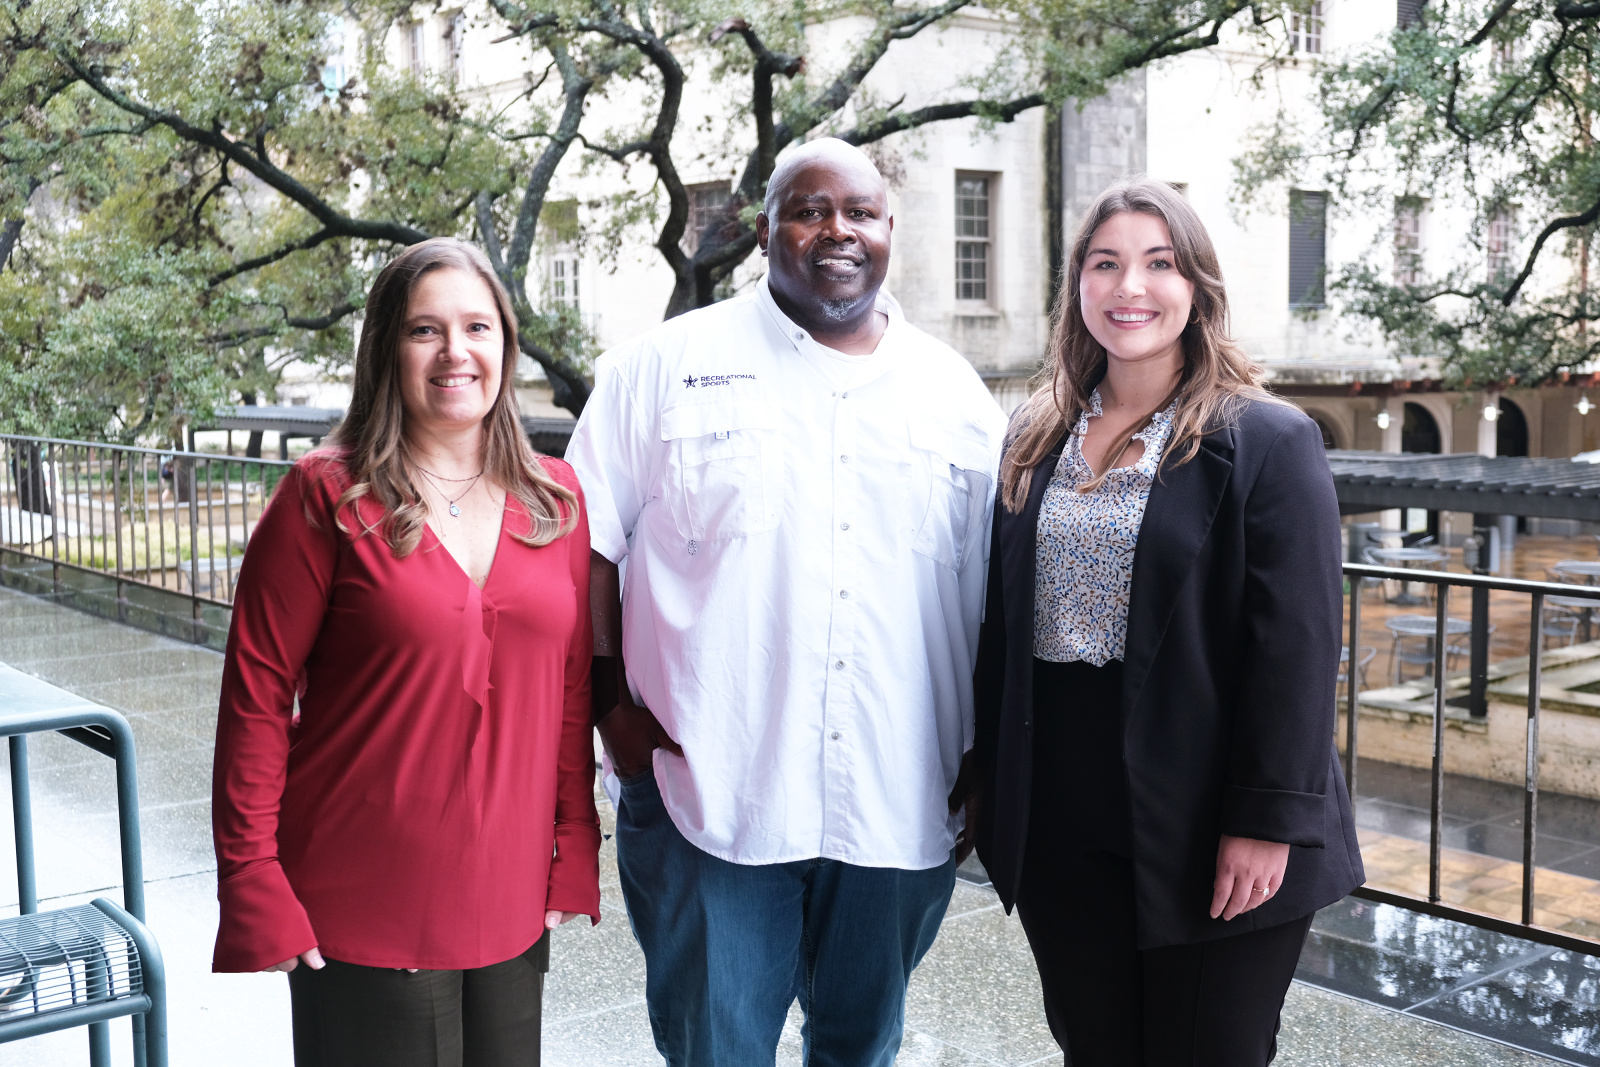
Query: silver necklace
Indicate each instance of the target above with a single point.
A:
(472, 480)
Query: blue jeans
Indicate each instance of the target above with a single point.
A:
(729, 946)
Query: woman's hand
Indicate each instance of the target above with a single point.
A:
(1249, 873)
(311, 957)
(553, 919)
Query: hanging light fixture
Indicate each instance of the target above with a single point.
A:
(1382, 420)
(1583, 405)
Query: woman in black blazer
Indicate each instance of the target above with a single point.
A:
(1161, 797)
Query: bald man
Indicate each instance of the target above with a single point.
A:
(800, 482)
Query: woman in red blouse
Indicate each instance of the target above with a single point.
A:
(415, 828)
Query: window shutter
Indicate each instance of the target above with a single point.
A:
(1308, 239)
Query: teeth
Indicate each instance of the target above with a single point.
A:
(450, 383)
(837, 262)
(1137, 316)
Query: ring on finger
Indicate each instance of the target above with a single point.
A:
(1257, 889)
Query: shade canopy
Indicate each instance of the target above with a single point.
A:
(1484, 485)
(291, 421)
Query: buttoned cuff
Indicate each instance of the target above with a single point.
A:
(1274, 815)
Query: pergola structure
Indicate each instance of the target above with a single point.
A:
(548, 436)
(286, 422)
(1483, 485)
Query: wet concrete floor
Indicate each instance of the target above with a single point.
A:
(1379, 986)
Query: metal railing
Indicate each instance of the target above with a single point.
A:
(1443, 582)
(160, 518)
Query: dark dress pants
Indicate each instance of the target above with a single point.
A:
(347, 1015)
(1109, 1003)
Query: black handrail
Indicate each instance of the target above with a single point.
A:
(1444, 581)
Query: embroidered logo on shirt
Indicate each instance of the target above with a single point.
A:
(708, 380)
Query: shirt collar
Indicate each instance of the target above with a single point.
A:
(798, 336)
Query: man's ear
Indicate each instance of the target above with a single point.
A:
(763, 230)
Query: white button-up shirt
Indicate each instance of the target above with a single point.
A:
(806, 538)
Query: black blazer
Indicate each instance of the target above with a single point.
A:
(1228, 686)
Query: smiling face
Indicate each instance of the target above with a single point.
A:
(450, 351)
(1134, 301)
(827, 237)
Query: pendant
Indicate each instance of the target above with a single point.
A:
(455, 511)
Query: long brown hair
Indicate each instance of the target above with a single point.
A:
(1216, 377)
(371, 440)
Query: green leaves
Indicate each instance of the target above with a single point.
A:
(206, 189)
(1489, 110)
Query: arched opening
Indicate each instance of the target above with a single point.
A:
(1419, 432)
(1329, 441)
(1510, 430)
(1511, 439)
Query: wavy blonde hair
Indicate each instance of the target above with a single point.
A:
(1216, 377)
(371, 442)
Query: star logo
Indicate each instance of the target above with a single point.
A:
(688, 382)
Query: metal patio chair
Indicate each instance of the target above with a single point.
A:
(84, 965)
(1367, 654)
(1559, 625)
(1454, 650)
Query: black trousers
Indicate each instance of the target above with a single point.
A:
(1210, 1004)
(347, 1015)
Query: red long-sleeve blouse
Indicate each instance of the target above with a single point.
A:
(435, 795)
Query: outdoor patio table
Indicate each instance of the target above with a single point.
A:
(1588, 569)
(1421, 558)
(1420, 626)
(1582, 607)
(1427, 626)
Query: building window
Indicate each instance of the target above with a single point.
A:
(708, 214)
(1305, 30)
(1502, 226)
(1504, 55)
(563, 284)
(416, 47)
(333, 76)
(974, 239)
(1407, 241)
(1308, 246)
(1407, 12)
(455, 34)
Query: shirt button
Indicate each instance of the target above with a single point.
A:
(799, 336)
(845, 395)
(844, 459)
(844, 526)
(835, 735)
(839, 665)
(844, 594)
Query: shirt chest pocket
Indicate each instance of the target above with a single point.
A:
(958, 475)
(723, 478)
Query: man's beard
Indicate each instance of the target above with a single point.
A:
(840, 309)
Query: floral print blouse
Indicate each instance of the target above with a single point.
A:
(1084, 567)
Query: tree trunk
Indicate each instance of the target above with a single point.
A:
(1054, 205)
(32, 480)
(252, 448)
